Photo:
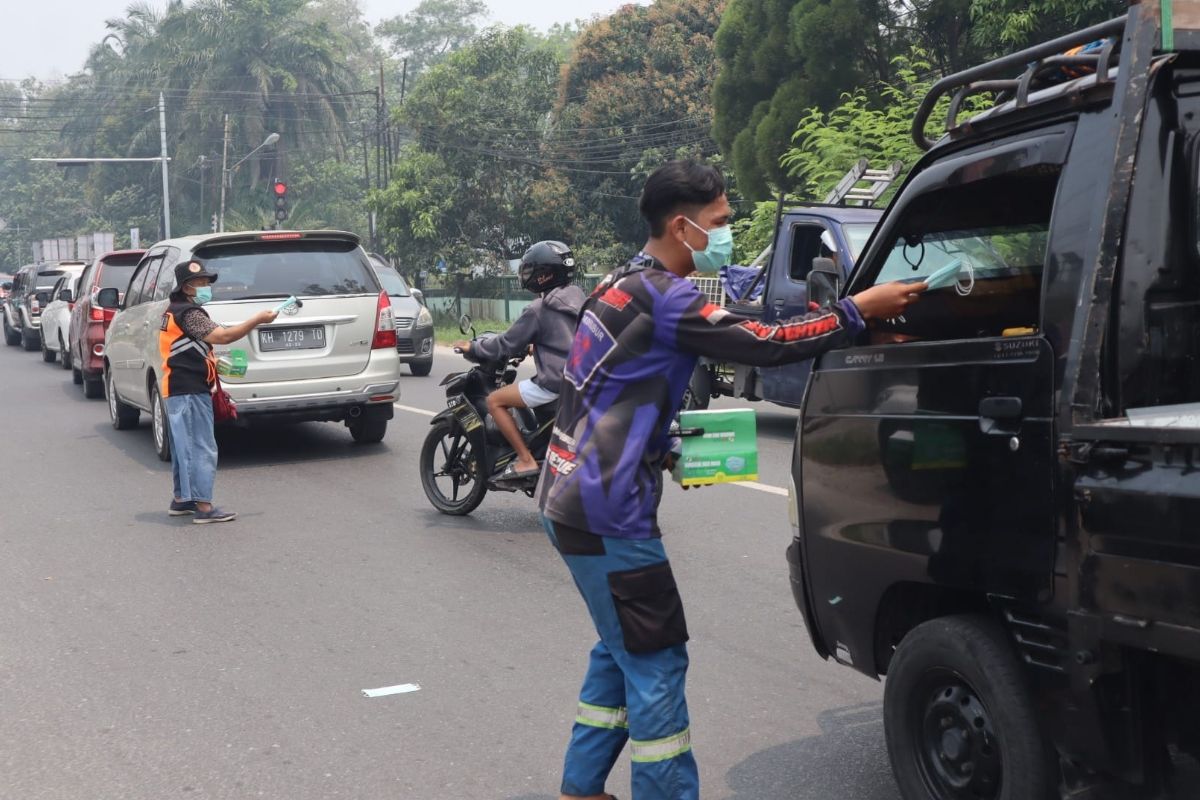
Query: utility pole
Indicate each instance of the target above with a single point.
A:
(224, 176)
(203, 166)
(162, 135)
(378, 140)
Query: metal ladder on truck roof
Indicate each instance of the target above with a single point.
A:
(862, 185)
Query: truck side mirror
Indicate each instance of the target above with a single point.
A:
(824, 282)
(108, 298)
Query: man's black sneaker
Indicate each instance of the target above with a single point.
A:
(181, 508)
(215, 515)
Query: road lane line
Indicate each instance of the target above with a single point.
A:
(414, 410)
(403, 688)
(761, 487)
(755, 485)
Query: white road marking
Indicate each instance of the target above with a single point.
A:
(414, 410)
(403, 688)
(761, 487)
(755, 485)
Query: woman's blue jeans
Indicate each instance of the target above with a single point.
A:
(193, 446)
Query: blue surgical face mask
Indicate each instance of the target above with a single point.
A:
(717, 253)
(203, 295)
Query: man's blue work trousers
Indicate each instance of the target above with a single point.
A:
(629, 696)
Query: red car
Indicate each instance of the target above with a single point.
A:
(85, 347)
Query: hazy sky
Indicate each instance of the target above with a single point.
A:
(50, 38)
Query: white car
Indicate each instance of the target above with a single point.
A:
(331, 357)
(56, 317)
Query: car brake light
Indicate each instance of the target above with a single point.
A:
(34, 305)
(385, 324)
(96, 314)
(268, 237)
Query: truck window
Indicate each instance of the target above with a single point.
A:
(806, 245)
(996, 231)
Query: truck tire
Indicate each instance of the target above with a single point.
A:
(699, 391)
(959, 717)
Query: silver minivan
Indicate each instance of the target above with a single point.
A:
(330, 357)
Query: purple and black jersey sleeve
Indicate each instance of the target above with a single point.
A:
(630, 362)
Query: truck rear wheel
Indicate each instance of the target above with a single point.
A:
(959, 718)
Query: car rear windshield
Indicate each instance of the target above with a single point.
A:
(393, 284)
(305, 268)
(116, 276)
(47, 278)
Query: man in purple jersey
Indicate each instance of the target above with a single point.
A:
(638, 339)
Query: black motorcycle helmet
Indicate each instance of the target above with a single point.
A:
(546, 266)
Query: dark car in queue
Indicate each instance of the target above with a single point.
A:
(30, 294)
(414, 323)
(89, 322)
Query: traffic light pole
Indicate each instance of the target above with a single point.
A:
(224, 176)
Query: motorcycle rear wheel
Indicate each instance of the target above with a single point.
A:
(450, 470)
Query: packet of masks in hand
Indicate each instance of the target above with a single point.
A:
(232, 364)
(725, 453)
(291, 301)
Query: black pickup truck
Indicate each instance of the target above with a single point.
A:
(991, 494)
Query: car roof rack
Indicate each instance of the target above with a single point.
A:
(995, 77)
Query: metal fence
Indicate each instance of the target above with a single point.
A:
(499, 298)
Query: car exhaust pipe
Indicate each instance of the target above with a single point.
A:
(355, 412)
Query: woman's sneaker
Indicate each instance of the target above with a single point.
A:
(214, 515)
(181, 508)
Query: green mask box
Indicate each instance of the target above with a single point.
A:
(727, 452)
(232, 364)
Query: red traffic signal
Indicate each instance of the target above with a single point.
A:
(280, 188)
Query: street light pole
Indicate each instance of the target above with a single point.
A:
(162, 135)
(271, 139)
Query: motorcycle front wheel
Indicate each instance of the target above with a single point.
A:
(450, 470)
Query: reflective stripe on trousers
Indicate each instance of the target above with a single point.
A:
(634, 697)
(600, 717)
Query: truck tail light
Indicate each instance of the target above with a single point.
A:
(385, 325)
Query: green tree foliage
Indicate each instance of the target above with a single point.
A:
(432, 31)
(285, 66)
(1001, 25)
(466, 186)
(635, 93)
(780, 58)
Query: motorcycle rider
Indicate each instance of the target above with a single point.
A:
(548, 324)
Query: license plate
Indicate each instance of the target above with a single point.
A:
(307, 338)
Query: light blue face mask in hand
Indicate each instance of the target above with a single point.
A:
(718, 252)
(203, 295)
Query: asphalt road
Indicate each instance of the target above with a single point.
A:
(145, 657)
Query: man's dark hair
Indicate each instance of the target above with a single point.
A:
(678, 186)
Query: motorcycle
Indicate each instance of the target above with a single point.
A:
(464, 453)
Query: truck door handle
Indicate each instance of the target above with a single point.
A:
(1000, 416)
